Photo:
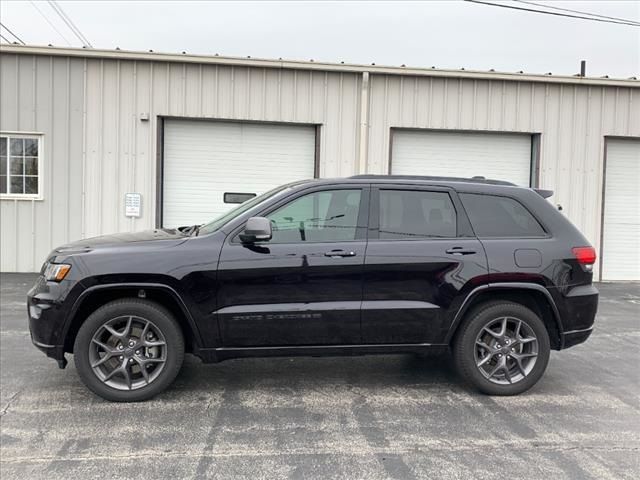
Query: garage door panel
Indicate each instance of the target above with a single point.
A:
(462, 154)
(203, 160)
(621, 226)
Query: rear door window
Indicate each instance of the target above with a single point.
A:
(408, 214)
(495, 216)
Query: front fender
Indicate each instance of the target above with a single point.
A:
(197, 337)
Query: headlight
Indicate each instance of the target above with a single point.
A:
(55, 272)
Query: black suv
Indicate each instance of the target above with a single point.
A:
(362, 265)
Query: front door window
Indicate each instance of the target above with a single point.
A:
(319, 217)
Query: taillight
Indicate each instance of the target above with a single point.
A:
(586, 256)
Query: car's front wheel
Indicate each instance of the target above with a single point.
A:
(129, 350)
(502, 348)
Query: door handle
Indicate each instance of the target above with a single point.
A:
(339, 253)
(460, 251)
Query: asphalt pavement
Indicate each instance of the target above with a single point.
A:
(396, 416)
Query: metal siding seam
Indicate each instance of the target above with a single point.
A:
(459, 117)
(279, 94)
(184, 89)
(67, 159)
(415, 101)
(217, 106)
(444, 121)
(572, 154)
(629, 114)
(473, 104)
(615, 111)
(232, 89)
(340, 113)
(588, 173)
(150, 186)
(489, 104)
(34, 119)
(517, 120)
(532, 108)
(601, 183)
(18, 92)
(200, 94)
(168, 92)
(51, 144)
(83, 207)
(430, 102)
(386, 138)
(294, 106)
(325, 109)
(310, 106)
(248, 94)
(118, 116)
(34, 123)
(264, 94)
(355, 166)
(400, 118)
(556, 157)
(503, 105)
(33, 235)
(96, 180)
(15, 234)
(133, 144)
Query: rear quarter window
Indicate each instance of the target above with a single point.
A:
(495, 216)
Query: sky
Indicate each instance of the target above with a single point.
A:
(445, 34)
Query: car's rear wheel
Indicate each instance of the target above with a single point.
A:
(502, 348)
(129, 350)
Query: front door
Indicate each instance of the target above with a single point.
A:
(304, 286)
(421, 255)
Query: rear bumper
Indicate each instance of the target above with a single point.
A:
(575, 337)
(578, 310)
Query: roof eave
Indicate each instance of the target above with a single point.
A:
(310, 65)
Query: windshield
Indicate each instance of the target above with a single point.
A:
(218, 222)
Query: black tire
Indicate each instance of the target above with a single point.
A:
(464, 347)
(162, 321)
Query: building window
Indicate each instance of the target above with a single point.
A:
(20, 166)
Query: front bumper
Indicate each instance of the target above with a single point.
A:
(47, 317)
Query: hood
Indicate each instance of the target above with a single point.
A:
(123, 239)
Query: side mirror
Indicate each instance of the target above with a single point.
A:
(257, 229)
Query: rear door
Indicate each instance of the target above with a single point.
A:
(421, 256)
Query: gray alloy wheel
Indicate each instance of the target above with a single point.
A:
(128, 352)
(501, 348)
(506, 350)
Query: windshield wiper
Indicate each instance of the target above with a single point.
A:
(190, 230)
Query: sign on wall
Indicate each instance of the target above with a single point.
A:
(132, 204)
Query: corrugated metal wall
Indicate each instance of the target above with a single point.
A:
(573, 121)
(96, 148)
(44, 95)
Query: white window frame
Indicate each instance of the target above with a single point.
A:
(25, 196)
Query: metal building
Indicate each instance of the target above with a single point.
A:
(82, 130)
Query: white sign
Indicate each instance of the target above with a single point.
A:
(132, 204)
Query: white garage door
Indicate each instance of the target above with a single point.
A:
(621, 229)
(203, 160)
(462, 154)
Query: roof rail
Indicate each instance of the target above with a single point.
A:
(435, 179)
